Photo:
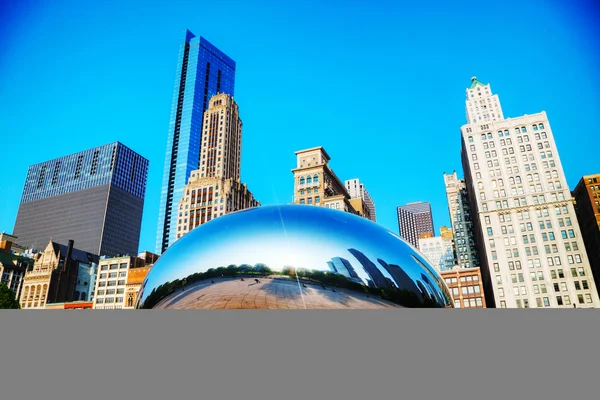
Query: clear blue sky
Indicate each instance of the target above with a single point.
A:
(380, 84)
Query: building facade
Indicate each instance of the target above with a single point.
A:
(96, 196)
(462, 221)
(466, 287)
(587, 208)
(439, 250)
(119, 280)
(415, 219)
(529, 242)
(315, 183)
(135, 278)
(357, 190)
(214, 189)
(202, 72)
(56, 274)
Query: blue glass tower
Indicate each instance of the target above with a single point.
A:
(202, 71)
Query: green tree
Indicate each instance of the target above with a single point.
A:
(8, 298)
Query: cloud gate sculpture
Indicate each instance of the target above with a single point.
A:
(292, 257)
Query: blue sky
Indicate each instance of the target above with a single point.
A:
(380, 84)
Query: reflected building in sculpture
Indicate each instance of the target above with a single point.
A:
(202, 72)
(214, 189)
(339, 265)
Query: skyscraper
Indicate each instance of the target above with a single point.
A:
(358, 190)
(95, 196)
(462, 221)
(415, 219)
(529, 243)
(202, 71)
(214, 189)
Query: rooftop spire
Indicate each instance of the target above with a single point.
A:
(475, 82)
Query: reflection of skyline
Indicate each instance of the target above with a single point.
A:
(431, 287)
(402, 280)
(300, 237)
(371, 269)
(339, 265)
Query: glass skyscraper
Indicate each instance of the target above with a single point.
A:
(202, 71)
(94, 197)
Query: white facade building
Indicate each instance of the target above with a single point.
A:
(530, 246)
(439, 252)
(111, 282)
(358, 190)
(482, 105)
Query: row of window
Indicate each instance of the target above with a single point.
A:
(517, 130)
(545, 301)
(469, 303)
(317, 200)
(309, 180)
(111, 283)
(101, 292)
(109, 300)
(113, 267)
(114, 275)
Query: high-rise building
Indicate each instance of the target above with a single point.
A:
(57, 274)
(315, 183)
(357, 190)
(415, 219)
(214, 189)
(462, 221)
(587, 207)
(529, 243)
(439, 250)
(202, 72)
(95, 196)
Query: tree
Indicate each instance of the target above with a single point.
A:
(8, 298)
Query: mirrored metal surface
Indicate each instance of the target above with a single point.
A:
(292, 257)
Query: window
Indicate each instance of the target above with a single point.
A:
(588, 298)
(546, 302)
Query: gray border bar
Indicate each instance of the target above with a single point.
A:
(364, 354)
